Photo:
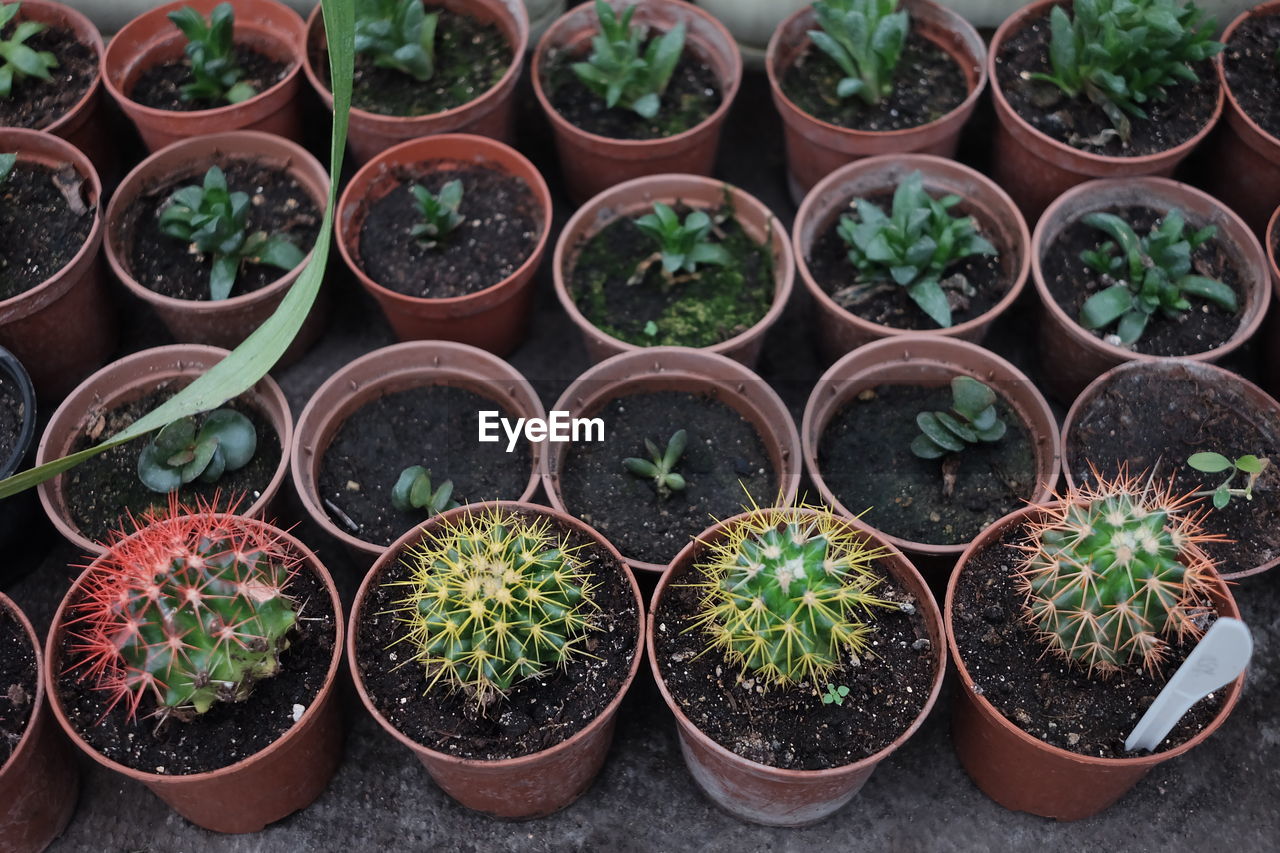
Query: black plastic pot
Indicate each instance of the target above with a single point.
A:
(23, 530)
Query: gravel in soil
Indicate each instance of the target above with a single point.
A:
(160, 86)
(44, 220)
(1253, 72)
(37, 103)
(17, 682)
(12, 415)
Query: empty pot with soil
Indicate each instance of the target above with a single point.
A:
(914, 286)
(398, 94)
(151, 76)
(230, 741)
(918, 105)
(21, 527)
(416, 404)
(712, 271)
(784, 734)
(739, 448)
(93, 500)
(511, 715)
(1142, 268)
(447, 233)
(667, 120)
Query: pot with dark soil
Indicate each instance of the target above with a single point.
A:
(266, 196)
(1058, 124)
(39, 779)
(864, 294)
(674, 260)
(496, 642)
(1142, 268)
(929, 440)
(913, 95)
(784, 734)
(648, 98)
(243, 728)
(89, 502)
(411, 405)
(465, 84)
(169, 95)
(1050, 689)
(447, 233)
(22, 528)
(717, 427)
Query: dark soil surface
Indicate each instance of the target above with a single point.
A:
(229, 731)
(104, 490)
(927, 84)
(1040, 693)
(1252, 70)
(44, 220)
(17, 682)
(973, 285)
(280, 206)
(536, 714)
(1185, 110)
(1157, 425)
(12, 414)
(436, 427)
(1205, 327)
(499, 233)
(719, 303)
(39, 103)
(160, 86)
(866, 460)
(724, 462)
(792, 728)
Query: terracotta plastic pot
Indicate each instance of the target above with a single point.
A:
(691, 371)
(20, 517)
(816, 148)
(592, 163)
(64, 327)
(386, 371)
(1071, 355)
(928, 360)
(131, 378)
(40, 782)
(492, 114)
(496, 318)
(151, 39)
(271, 784)
(1035, 168)
(636, 198)
(1022, 772)
(529, 786)
(1273, 337)
(841, 330)
(772, 795)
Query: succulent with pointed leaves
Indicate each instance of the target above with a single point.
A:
(17, 60)
(683, 246)
(660, 466)
(182, 452)
(398, 34)
(1215, 463)
(973, 418)
(211, 49)
(438, 213)
(865, 38)
(619, 71)
(413, 491)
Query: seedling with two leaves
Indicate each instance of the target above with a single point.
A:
(398, 34)
(973, 418)
(211, 49)
(865, 38)
(17, 60)
(182, 452)
(835, 695)
(438, 213)
(413, 491)
(1215, 463)
(660, 467)
(620, 72)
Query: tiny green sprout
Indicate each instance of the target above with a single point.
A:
(181, 452)
(661, 466)
(650, 328)
(438, 213)
(1215, 463)
(973, 418)
(835, 695)
(413, 491)
(681, 247)
(17, 60)
(865, 38)
(619, 72)
(398, 34)
(7, 162)
(211, 49)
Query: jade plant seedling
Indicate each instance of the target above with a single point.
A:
(682, 247)
(413, 491)
(1215, 463)
(973, 419)
(438, 213)
(398, 34)
(183, 452)
(835, 695)
(17, 60)
(865, 38)
(7, 162)
(660, 466)
(622, 70)
(1151, 275)
(211, 49)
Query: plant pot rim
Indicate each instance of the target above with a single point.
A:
(565, 522)
(87, 34)
(1273, 251)
(1264, 9)
(52, 657)
(427, 354)
(928, 164)
(239, 144)
(926, 603)
(10, 364)
(116, 46)
(561, 124)
(619, 193)
(25, 741)
(1250, 255)
(966, 681)
(1015, 23)
(421, 148)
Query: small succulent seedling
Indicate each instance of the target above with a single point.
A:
(214, 221)
(437, 213)
(973, 418)
(1121, 54)
(182, 452)
(413, 491)
(660, 467)
(17, 60)
(7, 162)
(865, 38)
(1215, 463)
(211, 49)
(1153, 275)
(620, 72)
(682, 247)
(835, 695)
(398, 34)
(912, 246)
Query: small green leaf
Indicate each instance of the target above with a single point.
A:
(1251, 464)
(1221, 497)
(401, 492)
(1105, 307)
(971, 397)
(1209, 462)
(937, 433)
